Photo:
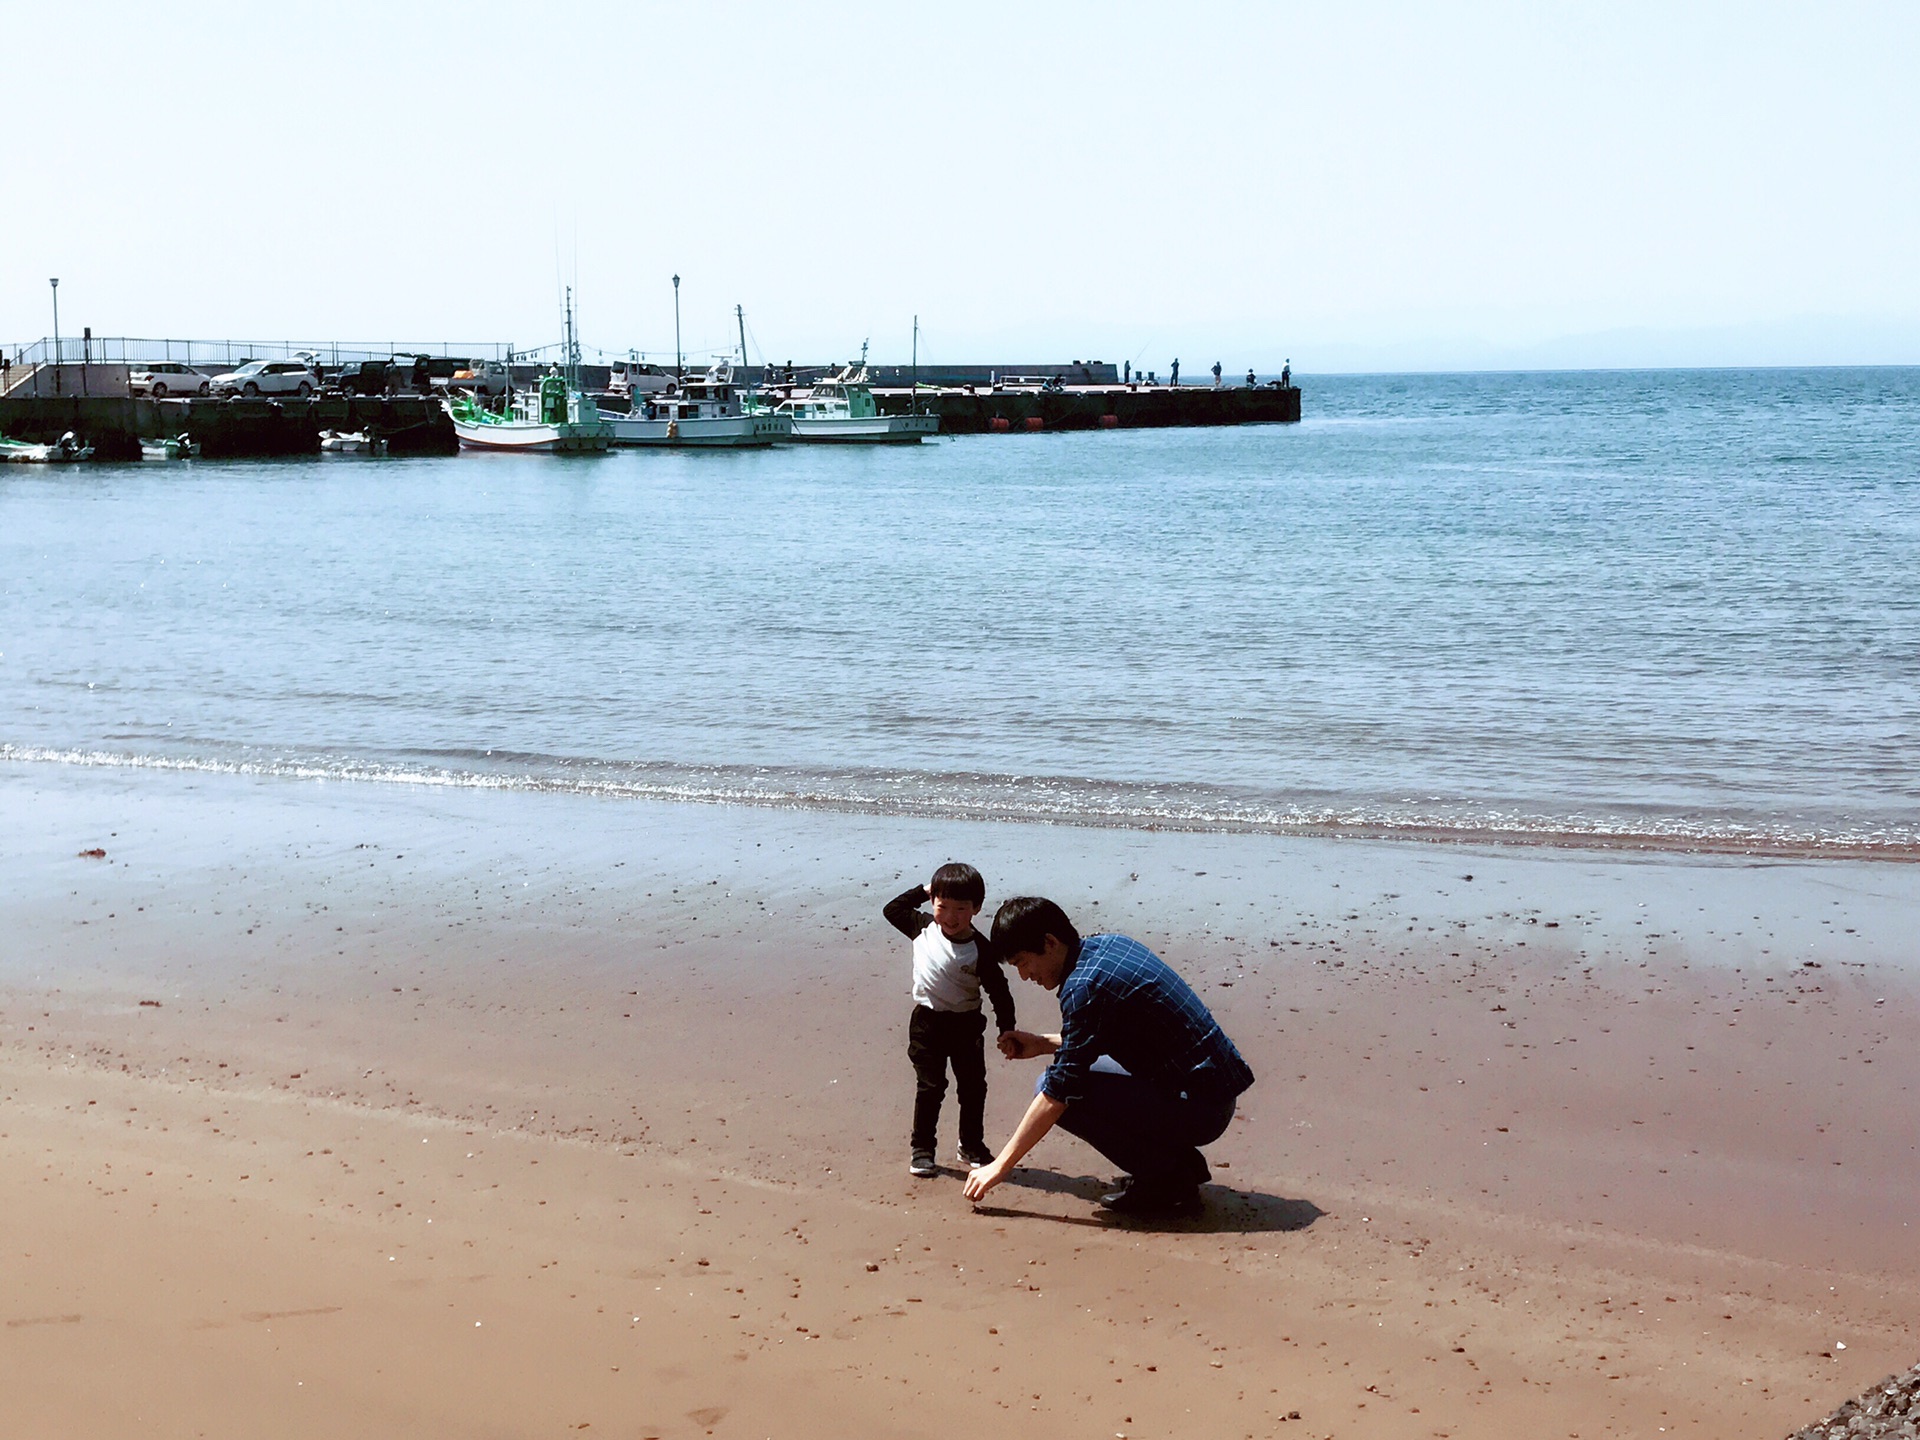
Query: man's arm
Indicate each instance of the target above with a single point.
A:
(903, 912)
(1041, 1117)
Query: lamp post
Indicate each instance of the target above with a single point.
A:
(677, 362)
(55, 283)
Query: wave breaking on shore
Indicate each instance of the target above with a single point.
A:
(1046, 800)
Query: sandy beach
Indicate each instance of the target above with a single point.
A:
(394, 1110)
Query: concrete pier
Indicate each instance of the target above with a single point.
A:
(231, 429)
(964, 411)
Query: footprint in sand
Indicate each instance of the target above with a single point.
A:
(43, 1320)
(708, 1415)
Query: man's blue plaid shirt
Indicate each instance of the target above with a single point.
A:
(1121, 999)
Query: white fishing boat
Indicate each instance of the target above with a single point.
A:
(841, 409)
(351, 442)
(176, 447)
(63, 451)
(555, 417)
(708, 413)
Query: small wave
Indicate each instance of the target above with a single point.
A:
(1049, 800)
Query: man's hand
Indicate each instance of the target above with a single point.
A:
(980, 1181)
(1041, 1114)
(1025, 1045)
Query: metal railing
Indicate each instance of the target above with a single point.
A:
(131, 350)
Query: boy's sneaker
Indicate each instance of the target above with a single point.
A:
(975, 1156)
(922, 1165)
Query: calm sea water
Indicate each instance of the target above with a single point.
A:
(1671, 606)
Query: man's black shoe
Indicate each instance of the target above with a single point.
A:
(1156, 1200)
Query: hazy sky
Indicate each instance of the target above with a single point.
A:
(1353, 186)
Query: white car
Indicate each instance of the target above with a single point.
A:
(167, 377)
(266, 377)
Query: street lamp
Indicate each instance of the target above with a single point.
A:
(55, 283)
(677, 362)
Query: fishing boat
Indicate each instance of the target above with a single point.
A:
(351, 442)
(62, 451)
(707, 413)
(176, 447)
(841, 409)
(555, 417)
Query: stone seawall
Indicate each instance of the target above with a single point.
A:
(1117, 407)
(231, 429)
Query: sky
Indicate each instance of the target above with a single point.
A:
(1352, 187)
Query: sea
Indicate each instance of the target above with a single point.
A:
(1672, 609)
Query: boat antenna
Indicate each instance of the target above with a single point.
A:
(678, 374)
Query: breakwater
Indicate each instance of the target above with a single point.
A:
(968, 410)
(231, 429)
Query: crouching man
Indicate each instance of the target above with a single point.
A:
(1140, 1069)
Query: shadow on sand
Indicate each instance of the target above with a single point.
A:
(1224, 1211)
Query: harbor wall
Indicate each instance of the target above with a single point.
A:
(1121, 407)
(230, 429)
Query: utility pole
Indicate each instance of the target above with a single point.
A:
(55, 283)
(678, 372)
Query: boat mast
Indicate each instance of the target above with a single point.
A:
(914, 405)
(572, 365)
(740, 314)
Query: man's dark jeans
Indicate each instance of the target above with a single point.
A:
(1152, 1134)
(935, 1039)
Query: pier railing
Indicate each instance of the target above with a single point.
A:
(133, 350)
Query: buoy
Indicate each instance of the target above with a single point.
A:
(1034, 422)
(1108, 422)
(673, 429)
(1000, 423)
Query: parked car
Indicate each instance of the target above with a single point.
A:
(482, 377)
(266, 377)
(363, 377)
(167, 377)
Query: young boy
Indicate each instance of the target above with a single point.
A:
(952, 963)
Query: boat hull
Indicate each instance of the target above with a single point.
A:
(16, 452)
(567, 439)
(865, 430)
(700, 432)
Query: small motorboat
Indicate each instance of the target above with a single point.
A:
(179, 447)
(352, 442)
(62, 451)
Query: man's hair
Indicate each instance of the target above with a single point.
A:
(955, 881)
(1022, 924)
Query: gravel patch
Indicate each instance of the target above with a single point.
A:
(1890, 1409)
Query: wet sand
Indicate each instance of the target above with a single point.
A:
(409, 1111)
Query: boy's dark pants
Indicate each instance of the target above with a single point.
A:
(936, 1038)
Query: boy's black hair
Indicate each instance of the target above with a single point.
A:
(955, 881)
(1022, 924)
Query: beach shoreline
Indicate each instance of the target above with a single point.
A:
(1510, 1101)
